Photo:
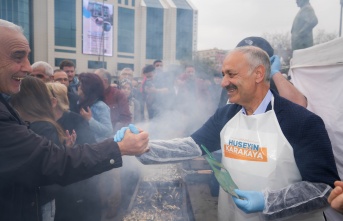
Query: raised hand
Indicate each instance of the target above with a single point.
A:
(70, 139)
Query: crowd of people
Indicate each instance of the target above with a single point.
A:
(70, 109)
(60, 128)
(43, 143)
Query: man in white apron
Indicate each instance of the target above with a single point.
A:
(278, 153)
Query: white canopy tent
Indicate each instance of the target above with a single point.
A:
(318, 73)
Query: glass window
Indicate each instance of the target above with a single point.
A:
(184, 34)
(121, 66)
(18, 12)
(59, 60)
(97, 64)
(65, 23)
(182, 4)
(126, 30)
(154, 33)
(153, 3)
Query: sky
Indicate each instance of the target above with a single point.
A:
(224, 23)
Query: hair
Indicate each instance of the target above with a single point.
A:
(10, 25)
(92, 88)
(61, 94)
(189, 66)
(67, 63)
(148, 68)
(157, 61)
(126, 70)
(47, 67)
(34, 101)
(124, 82)
(105, 74)
(58, 70)
(255, 57)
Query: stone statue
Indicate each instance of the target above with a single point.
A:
(303, 24)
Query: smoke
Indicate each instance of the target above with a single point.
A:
(178, 113)
(187, 105)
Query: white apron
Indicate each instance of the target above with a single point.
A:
(257, 155)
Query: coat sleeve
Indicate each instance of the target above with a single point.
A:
(314, 158)
(31, 160)
(100, 123)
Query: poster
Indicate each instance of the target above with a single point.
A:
(97, 22)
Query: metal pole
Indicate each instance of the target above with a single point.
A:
(340, 20)
(103, 36)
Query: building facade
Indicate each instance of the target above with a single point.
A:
(134, 32)
(20, 13)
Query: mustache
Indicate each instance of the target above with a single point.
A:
(231, 86)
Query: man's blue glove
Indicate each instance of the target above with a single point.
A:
(251, 202)
(121, 133)
(275, 65)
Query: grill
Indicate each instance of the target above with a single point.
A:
(160, 194)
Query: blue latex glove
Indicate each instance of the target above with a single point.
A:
(275, 65)
(252, 201)
(121, 133)
(133, 129)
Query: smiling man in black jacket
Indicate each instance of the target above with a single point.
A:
(27, 160)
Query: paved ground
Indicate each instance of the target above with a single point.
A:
(204, 206)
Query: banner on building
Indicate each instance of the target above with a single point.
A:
(97, 22)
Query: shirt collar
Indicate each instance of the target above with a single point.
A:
(263, 105)
(5, 96)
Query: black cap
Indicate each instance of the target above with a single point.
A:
(257, 42)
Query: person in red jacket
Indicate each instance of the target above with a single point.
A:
(116, 100)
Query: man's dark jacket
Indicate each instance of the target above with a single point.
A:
(304, 130)
(28, 161)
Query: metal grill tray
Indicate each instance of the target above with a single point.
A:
(159, 201)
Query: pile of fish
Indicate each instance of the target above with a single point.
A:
(160, 195)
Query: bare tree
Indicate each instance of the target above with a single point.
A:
(321, 36)
(281, 42)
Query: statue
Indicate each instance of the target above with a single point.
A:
(303, 24)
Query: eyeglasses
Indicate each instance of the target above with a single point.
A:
(127, 75)
(61, 79)
(40, 76)
(69, 71)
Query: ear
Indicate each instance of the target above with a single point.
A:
(53, 102)
(260, 72)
